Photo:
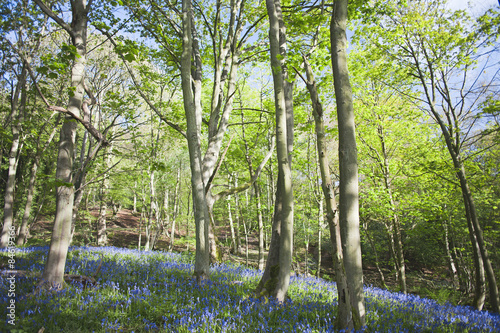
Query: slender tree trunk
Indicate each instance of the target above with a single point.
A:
(102, 238)
(345, 316)
(188, 215)
(140, 229)
(176, 207)
(277, 39)
(80, 177)
(245, 229)
(488, 268)
(215, 254)
(17, 119)
(482, 262)
(231, 225)
(193, 119)
(101, 220)
(268, 282)
(321, 221)
(398, 244)
(348, 202)
(451, 261)
(238, 219)
(53, 273)
(261, 227)
(149, 225)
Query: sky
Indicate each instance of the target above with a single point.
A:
(478, 6)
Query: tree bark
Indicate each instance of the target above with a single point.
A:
(176, 207)
(193, 119)
(321, 221)
(344, 315)
(53, 273)
(17, 106)
(348, 201)
(276, 40)
(149, 225)
(102, 238)
(451, 261)
(231, 225)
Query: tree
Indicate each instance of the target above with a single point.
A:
(53, 274)
(348, 201)
(439, 50)
(223, 43)
(344, 313)
(276, 276)
(193, 118)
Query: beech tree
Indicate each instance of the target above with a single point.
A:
(344, 313)
(348, 163)
(276, 276)
(53, 273)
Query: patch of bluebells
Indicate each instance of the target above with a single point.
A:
(155, 292)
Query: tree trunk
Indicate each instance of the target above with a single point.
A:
(277, 38)
(267, 283)
(238, 227)
(231, 225)
(53, 273)
(134, 207)
(321, 221)
(193, 119)
(149, 225)
(398, 244)
(101, 220)
(140, 229)
(348, 202)
(215, 254)
(245, 229)
(102, 238)
(261, 227)
(482, 262)
(451, 261)
(345, 316)
(176, 207)
(17, 119)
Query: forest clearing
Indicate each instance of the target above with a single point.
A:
(250, 165)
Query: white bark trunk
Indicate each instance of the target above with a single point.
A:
(17, 106)
(193, 119)
(348, 202)
(286, 237)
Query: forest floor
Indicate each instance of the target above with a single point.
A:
(123, 231)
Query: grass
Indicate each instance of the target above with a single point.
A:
(155, 292)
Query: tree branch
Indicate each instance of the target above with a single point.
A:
(87, 124)
(254, 178)
(56, 18)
